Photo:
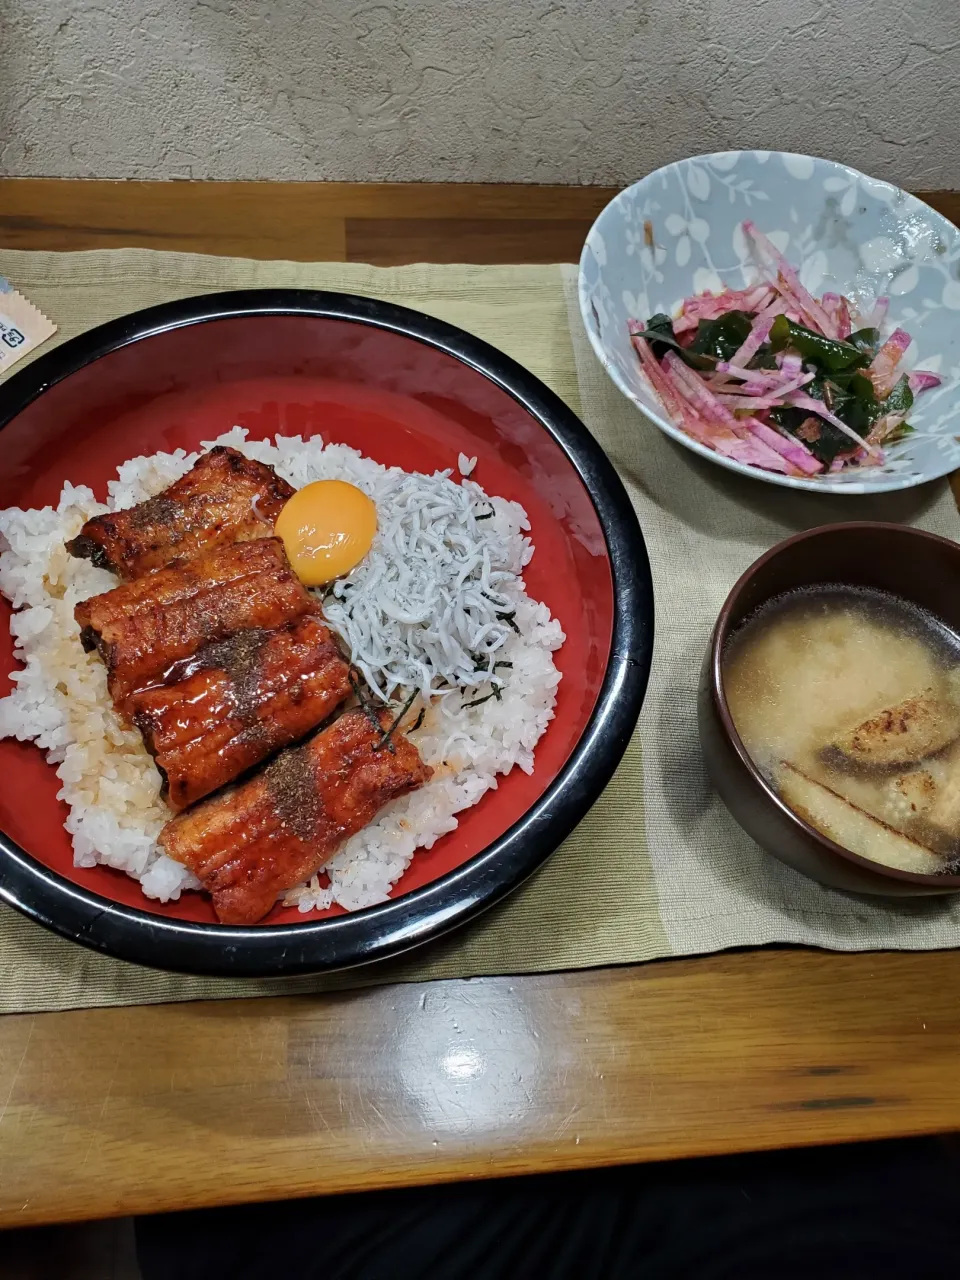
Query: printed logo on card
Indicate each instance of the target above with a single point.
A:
(22, 326)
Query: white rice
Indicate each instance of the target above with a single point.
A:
(110, 783)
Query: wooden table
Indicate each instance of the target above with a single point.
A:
(129, 1110)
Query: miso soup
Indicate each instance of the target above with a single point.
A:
(848, 700)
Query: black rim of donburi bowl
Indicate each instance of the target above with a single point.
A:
(395, 926)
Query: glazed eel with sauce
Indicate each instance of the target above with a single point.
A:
(219, 655)
(250, 843)
(223, 498)
(236, 701)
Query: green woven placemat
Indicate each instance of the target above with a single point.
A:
(657, 868)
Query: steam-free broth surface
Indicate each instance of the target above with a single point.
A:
(849, 702)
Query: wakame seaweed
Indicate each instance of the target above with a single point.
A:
(659, 333)
(829, 354)
(723, 337)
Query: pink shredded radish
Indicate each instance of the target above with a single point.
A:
(883, 371)
(724, 441)
(664, 387)
(752, 403)
(794, 309)
(736, 444)
(759, 333)
(711, 408)
(793, 450)
(694, 391)
(843, 321)
(760, 381)
(923, 380)
(877, 314)
(884, 427)
(748, 414)
(745, 399)
(837, 308)
(830, 302)
(807, 301)
(736, 371)
(756, 403)
(710, 306)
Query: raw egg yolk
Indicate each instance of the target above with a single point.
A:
(327, 528)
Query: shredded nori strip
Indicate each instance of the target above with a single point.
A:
(365, 706)
(508, 618)
(465, 706)
(419, 721)
(496, 691)
(388, 733)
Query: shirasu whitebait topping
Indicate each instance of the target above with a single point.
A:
(432, 605)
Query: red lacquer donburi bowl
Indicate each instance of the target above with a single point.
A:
(408, 391)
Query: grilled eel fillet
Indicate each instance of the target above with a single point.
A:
(250, 843)
(237, 701)
(223, 498)
(142, 628)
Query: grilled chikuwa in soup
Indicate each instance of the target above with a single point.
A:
(849, 701)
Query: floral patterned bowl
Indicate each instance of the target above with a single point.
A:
(845, 232)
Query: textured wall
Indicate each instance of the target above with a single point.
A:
(481, 90)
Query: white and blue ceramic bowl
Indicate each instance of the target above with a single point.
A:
(845, 232)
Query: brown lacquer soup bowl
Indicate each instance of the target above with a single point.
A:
(918, 567)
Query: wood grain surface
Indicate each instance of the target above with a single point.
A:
(314, 221)
(304, 221)
(125, 1110)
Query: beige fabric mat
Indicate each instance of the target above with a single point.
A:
(657, 868)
